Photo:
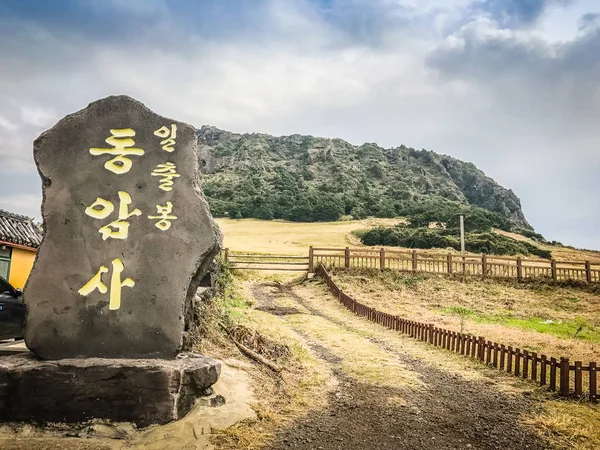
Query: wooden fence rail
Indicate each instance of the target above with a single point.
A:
(249, 261)
(557, 374)
(483, 266)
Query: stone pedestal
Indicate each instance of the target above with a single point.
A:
(142, 391)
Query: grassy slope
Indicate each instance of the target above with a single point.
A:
(567, 424)
(559, 253)
(538, 318)
(290, 238)
(294, 238)
(544, 318)
(507, 313)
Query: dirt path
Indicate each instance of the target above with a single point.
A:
(445, 411)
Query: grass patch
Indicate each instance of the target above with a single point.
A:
(569, 425)
(358, 357)
(556, 320)
(567, 329)
(578, 328)
(300, 387)
(290, 238)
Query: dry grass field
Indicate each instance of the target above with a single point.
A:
(330, 346)
(559, 253)
(554, 320)
(290, 238)
(294, 238)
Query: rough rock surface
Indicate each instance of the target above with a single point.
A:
(268, 177)
(128, 234)
(123, 390)
(197, 304)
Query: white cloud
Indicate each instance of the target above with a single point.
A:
(25, 204)
(37, 116)
(302, 74)
(8, 125)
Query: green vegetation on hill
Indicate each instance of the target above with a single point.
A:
(306, 179)
(427, 238)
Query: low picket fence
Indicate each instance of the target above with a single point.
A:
(480, 266)
(558, 374)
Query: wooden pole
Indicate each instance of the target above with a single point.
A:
(554, 272)
(449, 258)
(347, 258)
(553, 365)
(564, 377)
(414, 260)
(484, 265)
(588, 271)
(226, 254)
(593, 382)
(462, 243)
(382, 258)
(311, 265)
(462, 234)
(578, 379)
(519, 269)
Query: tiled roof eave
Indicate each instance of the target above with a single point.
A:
(19, 230)
(21, 246)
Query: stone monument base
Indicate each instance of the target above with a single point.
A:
(142, 391)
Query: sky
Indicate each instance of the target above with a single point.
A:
(510, 85)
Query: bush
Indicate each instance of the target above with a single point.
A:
(446, 212)
(427, 238)
(533, 235)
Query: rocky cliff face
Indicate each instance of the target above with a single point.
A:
(306, 178)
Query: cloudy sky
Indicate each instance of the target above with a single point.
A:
(510, 85)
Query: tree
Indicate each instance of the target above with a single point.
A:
(358, 213)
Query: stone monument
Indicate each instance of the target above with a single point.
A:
(128, 237)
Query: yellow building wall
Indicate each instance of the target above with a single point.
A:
(21, 262)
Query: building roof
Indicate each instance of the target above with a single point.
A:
(20, 230)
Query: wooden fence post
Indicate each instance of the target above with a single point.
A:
(449, 259)
(543, 366)
(481, 348)
(578, 379)
(588, 271)
(484, 265)
(311, 264)
(382, 258)
(553, 365)
(226, 255)
(519, 269)
(414, 260)
(347, 258)
(593, 382)
(564, 377)
(517, 370)
(554, 273)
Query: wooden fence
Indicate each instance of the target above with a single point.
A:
(452, 264)
(249, 261)
(558, 374)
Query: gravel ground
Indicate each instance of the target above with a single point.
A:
(448, 412)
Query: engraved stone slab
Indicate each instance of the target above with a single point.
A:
(128, 234)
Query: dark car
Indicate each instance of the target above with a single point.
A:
(12, 311)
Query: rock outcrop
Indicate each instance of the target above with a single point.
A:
(128, 234)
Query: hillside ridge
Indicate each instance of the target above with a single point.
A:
(306, 178)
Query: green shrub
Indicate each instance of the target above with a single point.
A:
(427, 238)
(533, 235)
